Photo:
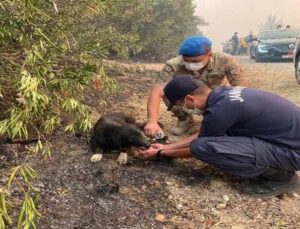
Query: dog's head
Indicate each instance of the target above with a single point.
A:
(132, 136)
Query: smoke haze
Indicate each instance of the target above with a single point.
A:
(228, 16)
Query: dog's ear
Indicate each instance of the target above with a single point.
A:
(132, 136)
(140, 126)
(129, 119)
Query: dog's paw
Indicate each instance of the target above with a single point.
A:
(96, 158)
(122, 159)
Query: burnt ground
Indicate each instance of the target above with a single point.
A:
(181, 193)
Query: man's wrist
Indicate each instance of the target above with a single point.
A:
(159, 154)
(166, 147)
(152, 121)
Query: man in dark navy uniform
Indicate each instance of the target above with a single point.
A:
(245, 132)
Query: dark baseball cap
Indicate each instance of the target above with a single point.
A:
(178, 88)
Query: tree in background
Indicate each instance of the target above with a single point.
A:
(160, 25)
(271, 23)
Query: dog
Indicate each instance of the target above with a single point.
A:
(116, 132)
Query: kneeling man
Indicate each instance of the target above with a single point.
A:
(245, 132)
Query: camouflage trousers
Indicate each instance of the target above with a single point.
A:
(179, 112)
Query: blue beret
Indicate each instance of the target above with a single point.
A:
(195, 46)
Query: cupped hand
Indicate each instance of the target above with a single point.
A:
(151, 152)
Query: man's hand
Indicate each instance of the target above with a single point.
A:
(148, 153)
(152, 128)
(158, 146)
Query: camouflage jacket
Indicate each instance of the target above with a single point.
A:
(220, 67)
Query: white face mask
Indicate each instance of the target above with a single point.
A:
(198, 111)
(195, 111)
(194, 66)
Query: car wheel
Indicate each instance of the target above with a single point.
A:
(251, 53)
(257, 59)
(297, 69)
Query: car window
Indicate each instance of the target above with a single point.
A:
(291, 33)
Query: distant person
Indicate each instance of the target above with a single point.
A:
(235, 43)
(288, 27)
(279, 26)
(249, 39)
(197, 60)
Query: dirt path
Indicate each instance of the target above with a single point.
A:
(182, 193)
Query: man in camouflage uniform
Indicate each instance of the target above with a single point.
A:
(197, 60)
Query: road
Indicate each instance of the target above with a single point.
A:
(278, 78)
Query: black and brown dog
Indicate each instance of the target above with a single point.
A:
(116, 132)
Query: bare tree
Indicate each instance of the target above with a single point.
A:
(271, 23)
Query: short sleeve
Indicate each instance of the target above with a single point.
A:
(167, 73)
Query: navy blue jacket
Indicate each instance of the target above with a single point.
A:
(238, 111)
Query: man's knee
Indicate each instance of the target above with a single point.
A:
(200, 149)
(227, 155)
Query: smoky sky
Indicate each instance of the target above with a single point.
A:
(228, 16)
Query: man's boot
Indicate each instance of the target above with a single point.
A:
(273, 182)
(183, 126)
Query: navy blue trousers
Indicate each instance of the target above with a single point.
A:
(243, 156)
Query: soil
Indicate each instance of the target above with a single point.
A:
(180, 193)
